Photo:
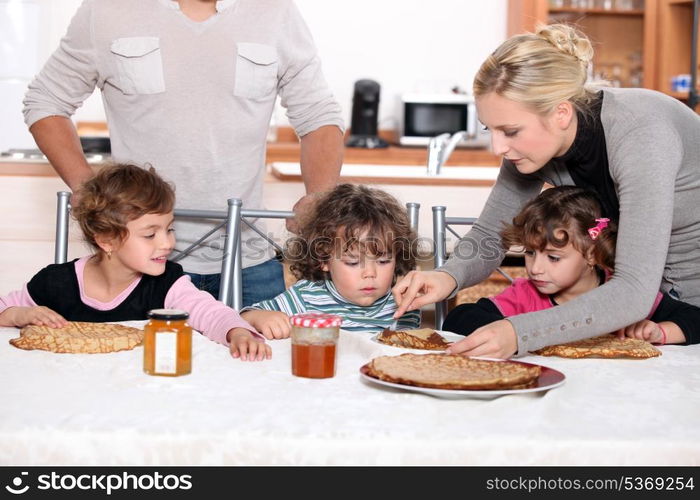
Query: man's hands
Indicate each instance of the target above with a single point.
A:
(300, 208)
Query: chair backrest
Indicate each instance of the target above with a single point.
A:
(228, 217)
(441, 224)
(231, 288)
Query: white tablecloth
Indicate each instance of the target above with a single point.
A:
(61, 409)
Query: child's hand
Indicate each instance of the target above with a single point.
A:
(272, 324)
(643, 330)
(37, 315)
(495, 340)
(245, 346)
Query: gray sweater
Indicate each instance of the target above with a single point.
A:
(192, 99)
(653, 150)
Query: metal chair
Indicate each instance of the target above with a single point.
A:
(441, 223)
(230, 218)
(231, 288)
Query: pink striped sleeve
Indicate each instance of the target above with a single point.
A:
(18, 298)
(207, 314)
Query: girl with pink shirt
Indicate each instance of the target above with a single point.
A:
(126, 215)
(569, 250)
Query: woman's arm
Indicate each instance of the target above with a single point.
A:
(644, 160)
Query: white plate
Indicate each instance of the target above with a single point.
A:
(549, 379)
(448, 336)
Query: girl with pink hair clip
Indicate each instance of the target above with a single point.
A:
(569, 250)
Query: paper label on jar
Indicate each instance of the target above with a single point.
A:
(166, 352)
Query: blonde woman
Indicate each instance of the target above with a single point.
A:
(637, 149)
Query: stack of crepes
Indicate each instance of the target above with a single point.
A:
(442, 371)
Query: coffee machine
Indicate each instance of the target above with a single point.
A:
(365, 114)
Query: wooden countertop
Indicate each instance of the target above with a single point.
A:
(287, 149)
(393, 155)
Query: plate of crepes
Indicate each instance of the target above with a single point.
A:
(457, 377)
(79, 337)
(424, 338)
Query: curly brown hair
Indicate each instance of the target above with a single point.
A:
(347, 217)
(560, 215)
(118, 194)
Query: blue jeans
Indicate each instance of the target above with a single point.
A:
(260, 282)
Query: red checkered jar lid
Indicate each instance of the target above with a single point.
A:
(315, 320)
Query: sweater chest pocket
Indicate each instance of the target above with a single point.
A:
(256, 71)
(139, 65)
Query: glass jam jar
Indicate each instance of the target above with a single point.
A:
(167, 343)
(314, 341)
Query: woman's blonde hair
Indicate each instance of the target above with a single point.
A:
(540, 70)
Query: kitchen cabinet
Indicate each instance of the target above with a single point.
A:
(638, 47)
(624, 39)
(675, 19)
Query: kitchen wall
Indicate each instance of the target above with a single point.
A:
(406, 45)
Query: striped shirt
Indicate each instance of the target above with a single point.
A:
(322, 296)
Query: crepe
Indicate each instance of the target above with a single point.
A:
(443, 371)
(603, 346)
(425, 338)
(79, 337)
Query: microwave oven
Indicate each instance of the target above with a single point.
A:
(424, 116)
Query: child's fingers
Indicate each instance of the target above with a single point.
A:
(263, 350)
(640, 330)
(648, 331)
(278, 331)
(283, 330)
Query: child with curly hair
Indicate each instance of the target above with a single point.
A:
(350, 249)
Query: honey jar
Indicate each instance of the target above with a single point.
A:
(314, 341)
(167, 343)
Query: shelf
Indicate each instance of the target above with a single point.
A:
(606, 12)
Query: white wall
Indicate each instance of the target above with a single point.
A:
(406, 45)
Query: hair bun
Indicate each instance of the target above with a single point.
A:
(568, 40)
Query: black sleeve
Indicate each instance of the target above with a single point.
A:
(465, 318)
(686, 316)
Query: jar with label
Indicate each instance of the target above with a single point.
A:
(314, 341)
(167, 343)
